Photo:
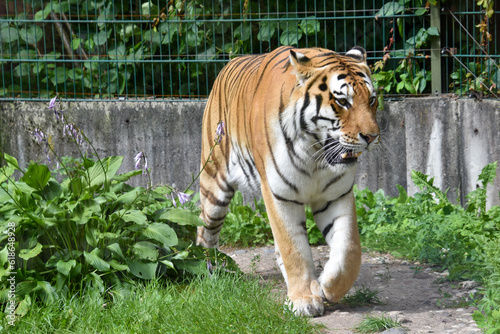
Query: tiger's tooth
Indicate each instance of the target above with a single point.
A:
(344, 155)
(357, 154)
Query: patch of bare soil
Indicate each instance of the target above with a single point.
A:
(417, 296)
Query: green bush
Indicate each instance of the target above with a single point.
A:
(427, 227)
(83, 228)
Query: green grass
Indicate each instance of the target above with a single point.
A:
(362, 296)
(374, 324)
(221, 303)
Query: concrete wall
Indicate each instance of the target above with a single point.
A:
(449, 139)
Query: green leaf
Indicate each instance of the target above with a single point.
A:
(118, 266)
(11, 160)
(37, 176)
(126, 176)
(27, 254)
(64, 267)
(115, 248)
(194, 267)
(179, 216)
(488, 174)
(162, 233)
(420, 11)
(390, 9)
(145, 250)
(101, 37)
(94, 259)
(266, 30)
(104, 169)
(135, 216)
(144, 270)
(9, 35)
(149, 9)
(52, 190)
(24, 306)
(291, 36)
(31, 35)
(310, 25)
(59, 75)
(433, 31)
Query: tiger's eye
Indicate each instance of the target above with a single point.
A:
(372, 100)
(342, 102)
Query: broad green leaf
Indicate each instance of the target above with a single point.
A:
(126, 176)
(135, 216)
(64, 267)
(9, 35)
(94, 259)
(194, 267)
(24, 288)
(145, 250)
(31, 35)
(149, 9)
(101, 37)
(115, 248)
(310, 25)
(118, 266)
(433, 31)
(291, 36)
(11, 160)
(162, 233)
(27, 254)
(144, 270)
(91, 235)
(59, 75)
(420, 11)
(266, 30)
(23, 306)
(390, 9)
(52, 190)
(37, 176)
(179, 216)
(105, 168)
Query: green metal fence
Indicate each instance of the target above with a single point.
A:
(173, 49)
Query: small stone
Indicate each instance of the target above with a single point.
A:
(468, 284)
(394, 331)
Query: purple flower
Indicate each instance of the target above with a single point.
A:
(173, 199)
(72, 130)
(220, 131)
(52, 103)
(138, 159)
(39, 135)
(183, 198)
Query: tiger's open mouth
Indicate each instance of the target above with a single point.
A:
(339, 155)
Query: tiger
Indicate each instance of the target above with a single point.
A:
(296, 122)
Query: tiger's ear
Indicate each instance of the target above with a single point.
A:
(300, 64)
(357, 53)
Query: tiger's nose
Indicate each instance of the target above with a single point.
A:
(368, 138)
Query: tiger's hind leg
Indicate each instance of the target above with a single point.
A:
(215, 196)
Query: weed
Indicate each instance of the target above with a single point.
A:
(362, 296)
(373, 324)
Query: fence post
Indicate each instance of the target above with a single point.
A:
(436, 51)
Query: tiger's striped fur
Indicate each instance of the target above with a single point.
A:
(296, 121)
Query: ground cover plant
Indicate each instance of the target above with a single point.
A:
(429, 228)
(217, 303)
(78, 246)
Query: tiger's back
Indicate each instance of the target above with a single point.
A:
(296, 121)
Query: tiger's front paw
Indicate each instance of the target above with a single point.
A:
(310, 305)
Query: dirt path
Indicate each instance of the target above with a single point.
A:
(419, 298)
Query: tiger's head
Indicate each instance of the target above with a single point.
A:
(333, 104)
